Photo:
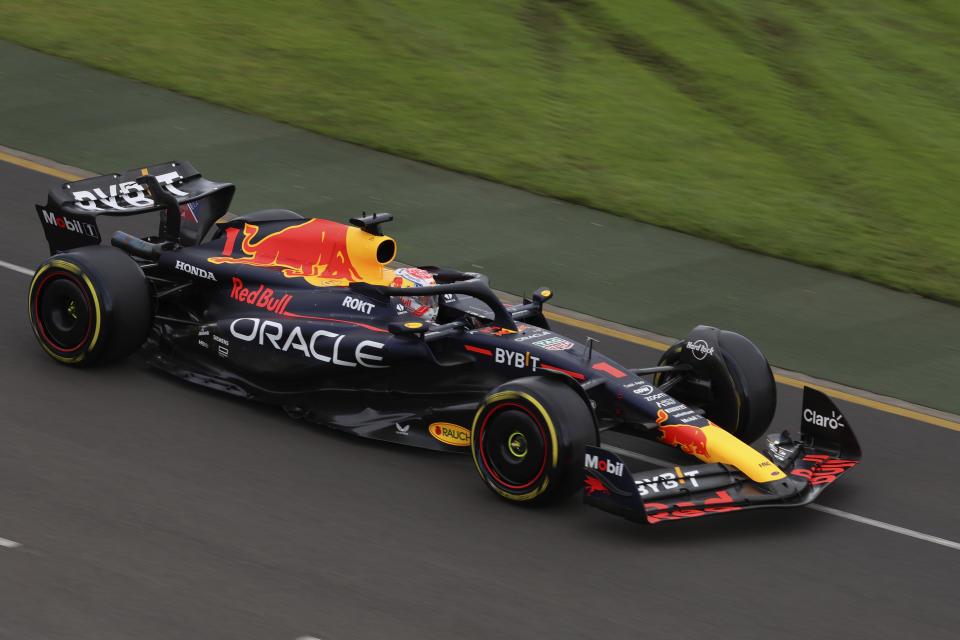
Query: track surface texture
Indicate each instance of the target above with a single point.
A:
(147, 508)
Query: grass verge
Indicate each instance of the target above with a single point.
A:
(824, 132)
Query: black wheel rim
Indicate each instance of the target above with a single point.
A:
(63, 312)
(513, 446)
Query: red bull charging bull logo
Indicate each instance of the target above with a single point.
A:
(325, 253)
(690, 439)
(594, 485)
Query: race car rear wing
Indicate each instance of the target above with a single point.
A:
(826, 450)
(69, 218)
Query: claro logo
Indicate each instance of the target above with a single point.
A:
(450, 434)
(832, 422)
(607, 466)
(322, 345)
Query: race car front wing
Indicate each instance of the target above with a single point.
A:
(826, 449)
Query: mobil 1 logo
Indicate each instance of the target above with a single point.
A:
(69, 224)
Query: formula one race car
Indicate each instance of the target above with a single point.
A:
(308, 314)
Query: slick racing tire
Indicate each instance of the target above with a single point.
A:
(528, 437)
(89, 305)
(728, 377)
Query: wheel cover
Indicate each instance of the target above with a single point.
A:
(517, 445)
(513, 446)
(63, 312)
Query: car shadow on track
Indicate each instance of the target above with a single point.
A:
(410, 464)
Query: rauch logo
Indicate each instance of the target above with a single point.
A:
(448, 433)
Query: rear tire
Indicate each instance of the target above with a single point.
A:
(733, 385)
(90, 305)
(528, 437)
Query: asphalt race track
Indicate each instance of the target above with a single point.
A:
(147, 508)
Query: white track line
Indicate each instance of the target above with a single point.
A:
(816, 507)
(883, 525)
(9, 544)
(16, 267)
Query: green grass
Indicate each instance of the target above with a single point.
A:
(827, 132)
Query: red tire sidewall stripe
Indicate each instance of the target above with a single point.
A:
(483, 456)
(36, 310)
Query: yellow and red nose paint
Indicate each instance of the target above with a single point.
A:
(713, 444)
(324, 253)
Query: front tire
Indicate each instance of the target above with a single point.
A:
(89, 305)
(728, 377)
(528, 437)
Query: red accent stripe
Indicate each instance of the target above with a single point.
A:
(483, 457)
(485, 352)
(359, 324)
(572, 374)
(613, 371)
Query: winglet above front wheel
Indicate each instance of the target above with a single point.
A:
(825, 450)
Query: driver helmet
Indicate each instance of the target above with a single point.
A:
(424, 307)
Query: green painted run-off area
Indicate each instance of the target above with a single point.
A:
(824, 132)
